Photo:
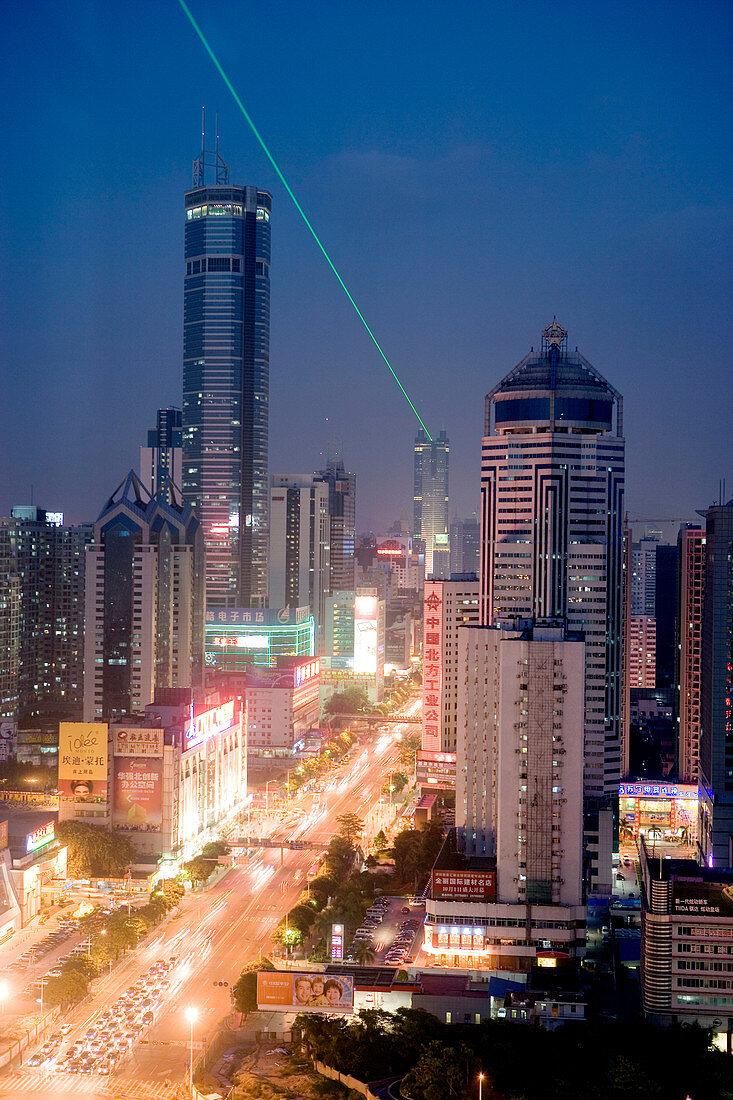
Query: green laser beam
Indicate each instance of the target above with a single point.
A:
(298, 207)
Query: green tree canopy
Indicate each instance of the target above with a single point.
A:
(350, 701)
(350, 827)
(95, 852)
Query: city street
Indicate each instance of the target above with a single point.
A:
(215, 935)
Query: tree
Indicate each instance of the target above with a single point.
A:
(244, 992)
(350, 828)
(363, 952)
(380, 841)
(216, 848)
(442, 1073)
(95, 852)
(198, 869)
(351, 701)
(68, 988)
(339, 859)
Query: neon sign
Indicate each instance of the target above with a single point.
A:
(211, 722)
(40, 838)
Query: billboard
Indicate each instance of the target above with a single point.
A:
(3, 834)
(432, 667)
(464, 885)
(436, 769)
(702, 899)
(301, 991)
(83, 760)
(42, 836)
(365, 634)
(137, 741)
(210, 722)
(138, 794)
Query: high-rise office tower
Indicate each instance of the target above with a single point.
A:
(691, 570)
(519, 767)
(144, 601)
(300, 556)
(9, 620)
(716, 679)
(665, 606)
(226, 339)
(644, 576)
(160, 460)
(342, 520)
(51, 562)
(430, 499)
(465, 536)
(552, 489)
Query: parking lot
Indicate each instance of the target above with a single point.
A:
(393, 928)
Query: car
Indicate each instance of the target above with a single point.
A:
(74, 1066)
(405, 909)
(64, 1028)
(36, 1059)
(104, 1069)
(88, 1066)
(620, 877)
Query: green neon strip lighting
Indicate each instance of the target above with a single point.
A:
(299, 208)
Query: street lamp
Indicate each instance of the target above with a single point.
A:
(191, 1016)
(480, 1085)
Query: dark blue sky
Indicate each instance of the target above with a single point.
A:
(473, 168)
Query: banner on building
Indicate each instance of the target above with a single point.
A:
(137, 741)
(436, 769)
(138, 794)
(366, 611)
(432, 667)
(702, 899)
(301, 991)
(83, 760)
(464, 885)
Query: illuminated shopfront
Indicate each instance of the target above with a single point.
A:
(667, 812)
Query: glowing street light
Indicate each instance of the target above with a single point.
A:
(480, 1085)
(4, 994)
(191, 1016)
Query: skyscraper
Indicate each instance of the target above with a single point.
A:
(465, 537)
(144, 601)
(691, 569)
(160, 460)
(716, 679)
(9, 620)
(300, 558)
(226, 339)
(51, 564)
(430, 498)
(552, 488)
(342, 513)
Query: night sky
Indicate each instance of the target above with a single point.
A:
(473, 169)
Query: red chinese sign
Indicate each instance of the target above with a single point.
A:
(464, 885)
(432, 668)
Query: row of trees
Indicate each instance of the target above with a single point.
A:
(108, 937)
(605, 1061)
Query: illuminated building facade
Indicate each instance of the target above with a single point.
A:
(369, 631)
(160, 460)
(144, 601)
(663, 812)
(226, 353)
(642, 655)
(716, 679)
(179, 772)
(552, 490)
(237, 638)
(9, 620)
(691, 569)
(282, 705)
(50, 565)
(465, 536)
(430, 496)
(342, 521)
(447, 605)
(687, 943)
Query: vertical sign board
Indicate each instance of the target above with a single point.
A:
(432, 667)
(138, 794)
(337, 942)
(366, 611)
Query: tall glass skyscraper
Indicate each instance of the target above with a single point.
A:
(552, 490)
(226, 354)
(430, 498)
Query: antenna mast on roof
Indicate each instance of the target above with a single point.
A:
(209, 158)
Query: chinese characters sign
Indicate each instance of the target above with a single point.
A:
(136, 741)
(432, 667)
(83, 760)
(138, 794)
(464, 885)
(437, 769)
